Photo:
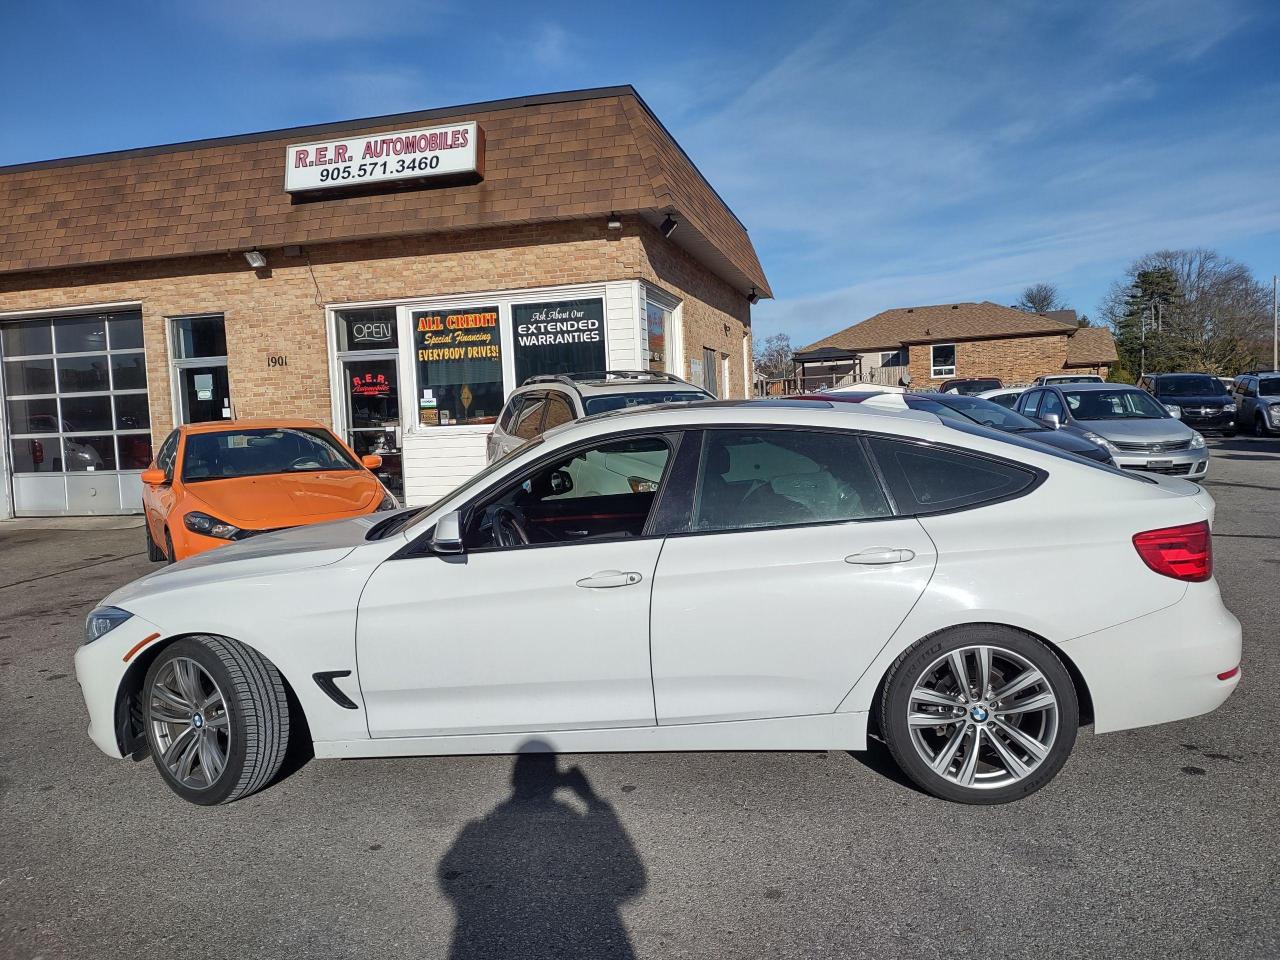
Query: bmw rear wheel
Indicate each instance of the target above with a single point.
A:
(979, 714)
(217, 718)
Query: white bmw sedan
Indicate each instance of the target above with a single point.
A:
(770, 575)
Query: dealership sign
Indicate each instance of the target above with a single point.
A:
(453, 151)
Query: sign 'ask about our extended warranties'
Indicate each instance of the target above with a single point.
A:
(455, 151)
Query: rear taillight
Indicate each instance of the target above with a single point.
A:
(1184, 553)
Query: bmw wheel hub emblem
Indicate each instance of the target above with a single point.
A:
(979, 714)
(197, 721)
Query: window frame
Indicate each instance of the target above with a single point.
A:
(942, 372)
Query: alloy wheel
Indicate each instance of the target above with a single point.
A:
(190, 723)
(983, 717)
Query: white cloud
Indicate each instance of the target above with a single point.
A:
(950, 152)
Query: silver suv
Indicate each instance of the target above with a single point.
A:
(1257, 397)
(549, 400)
(1137, 430)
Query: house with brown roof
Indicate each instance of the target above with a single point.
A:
(923, 346)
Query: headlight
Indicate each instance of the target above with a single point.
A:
(102, 621)
(1275, 412)
(1228, 408)
(1174, 410)
(388, 502)
(209, 526)
(1197, 441)
(1099, 440)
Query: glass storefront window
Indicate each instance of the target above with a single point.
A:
(657, 321)
(458, 355)
(80, 335)
(79, 374)
(89, 453)
(128, 371)
(33, 416)
(85, 414)
(23, 377)
(566, 336)
(125, 332)
(199, 337)
(26, 338)
(370, 329)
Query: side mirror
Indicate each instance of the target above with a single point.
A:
(1052, 421)
(371, 461)
(447, 537)
(561, 482)
(154, 477)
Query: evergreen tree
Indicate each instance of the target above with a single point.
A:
(1150, 302)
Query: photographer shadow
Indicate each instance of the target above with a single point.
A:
(540, 877)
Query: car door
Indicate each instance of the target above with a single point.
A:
(158, 501)
(792, 576)
(1029, 405)
(547, 635)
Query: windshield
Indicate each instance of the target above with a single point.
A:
(1190, 386)
(1270, 387)
(1083, 378)
(1130, 404)
(258, 453)
(976, 410)
(968, 387)
(1043, 449)
(619, 401)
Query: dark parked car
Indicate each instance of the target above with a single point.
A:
(1197, 399)
(1257, 397)
(968, 386)
(955, 406)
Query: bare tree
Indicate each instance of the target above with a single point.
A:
(1217, 321)
(774, 357)
(1040, 298)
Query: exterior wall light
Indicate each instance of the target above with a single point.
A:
(615, 222)
(256, 259)
(753, 297)
(668, 226)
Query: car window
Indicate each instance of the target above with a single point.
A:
(929, 479)
(1032, 403)
(168, 449)
(1268, 387)
(985, 412)
(1006, 400)
(525, 424)
(1051, 404)
(750, 479)
(510, 412)
(604, 492)
(618, 401)
(1189, 385)
(1124, 404)
(261, 452)
(559, 411)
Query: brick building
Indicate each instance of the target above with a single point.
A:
(386, 276)
(923, 346)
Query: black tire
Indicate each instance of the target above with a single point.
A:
(256, 705)
(168, 547)
(1260, 426)
(1008, 646)
(154, 553)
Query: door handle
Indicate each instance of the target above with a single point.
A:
(606, 579)
(876, 556)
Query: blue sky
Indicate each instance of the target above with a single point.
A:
(881, 154)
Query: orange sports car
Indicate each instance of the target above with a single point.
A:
(213, 483)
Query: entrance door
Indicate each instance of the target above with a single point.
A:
(372, 400)
(205, 393)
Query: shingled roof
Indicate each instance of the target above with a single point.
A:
(942, 323)
(558, 156)
(1091, 347)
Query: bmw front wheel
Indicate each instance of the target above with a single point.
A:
(979, 714)
(217, 719)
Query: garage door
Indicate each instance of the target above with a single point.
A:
(77, 423)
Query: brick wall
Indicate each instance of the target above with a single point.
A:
(1014, 360)
(280, 310)
(710, 306)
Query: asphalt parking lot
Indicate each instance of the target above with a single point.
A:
(1159, 842)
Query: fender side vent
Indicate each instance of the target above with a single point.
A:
(324, 680)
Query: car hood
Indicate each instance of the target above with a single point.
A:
(315, 545)
(287, 500)
(1139, 431)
